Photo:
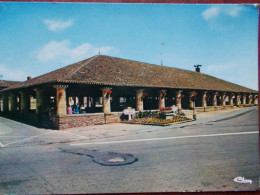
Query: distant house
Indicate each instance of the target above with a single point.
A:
(107, 85)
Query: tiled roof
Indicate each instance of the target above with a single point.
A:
(5, 84)
(111, 71)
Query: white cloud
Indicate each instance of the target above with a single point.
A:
(234, 12)
(65, 53)
(13, 74)
(235, 73)
(219, 69)
(56, 25)
(220, 10)
(210, 13)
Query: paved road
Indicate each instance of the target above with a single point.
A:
(199, 157)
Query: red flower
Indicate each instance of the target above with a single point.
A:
(167, 108)
(59, 91)
(144, 95)
(108, 91)
(164, 92)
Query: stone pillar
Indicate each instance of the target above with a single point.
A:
(106, 100)
(70, 101)
(162, 94)
(250, 97)
(244, 99)
(13, 98)
(190, 100)
(81, 100)
(61, 108)
(39, 101)
(1, 103)
(255, 99)
(85, 101)
(5, 103)
(1, 100)
(214, 99)
(223, 99)
(139, 100)
(204, 100)
(25, 101)
(231, 102)
(178, 99)
(95, 101)
(237, 99)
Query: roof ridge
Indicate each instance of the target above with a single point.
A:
(94, 57)
(149, 63)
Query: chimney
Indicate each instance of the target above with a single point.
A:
(29, 78)
(197, 67)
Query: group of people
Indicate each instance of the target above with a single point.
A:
(76, 109)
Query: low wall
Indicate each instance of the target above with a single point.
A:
(83, 120)
(214, 108)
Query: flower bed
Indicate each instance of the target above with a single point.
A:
(159, 121)
(155, 118)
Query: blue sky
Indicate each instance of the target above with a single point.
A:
(36, 38)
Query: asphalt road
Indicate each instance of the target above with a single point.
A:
(202, 157)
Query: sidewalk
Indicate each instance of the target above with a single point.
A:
(123, 129)
(203, 115)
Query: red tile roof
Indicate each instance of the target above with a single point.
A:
(111, 71)
(5, 84)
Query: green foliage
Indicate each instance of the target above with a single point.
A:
(123, 117)
(147, 114)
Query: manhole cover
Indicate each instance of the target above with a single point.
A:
(113, 158)
(105, 158)
(116, 159)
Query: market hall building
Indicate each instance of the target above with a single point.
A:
(106, 85)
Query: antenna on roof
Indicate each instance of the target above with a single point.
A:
(161, 59)
(98, 51)
(1, 76)
(161, 55)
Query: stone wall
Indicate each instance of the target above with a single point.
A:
(83, 120)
